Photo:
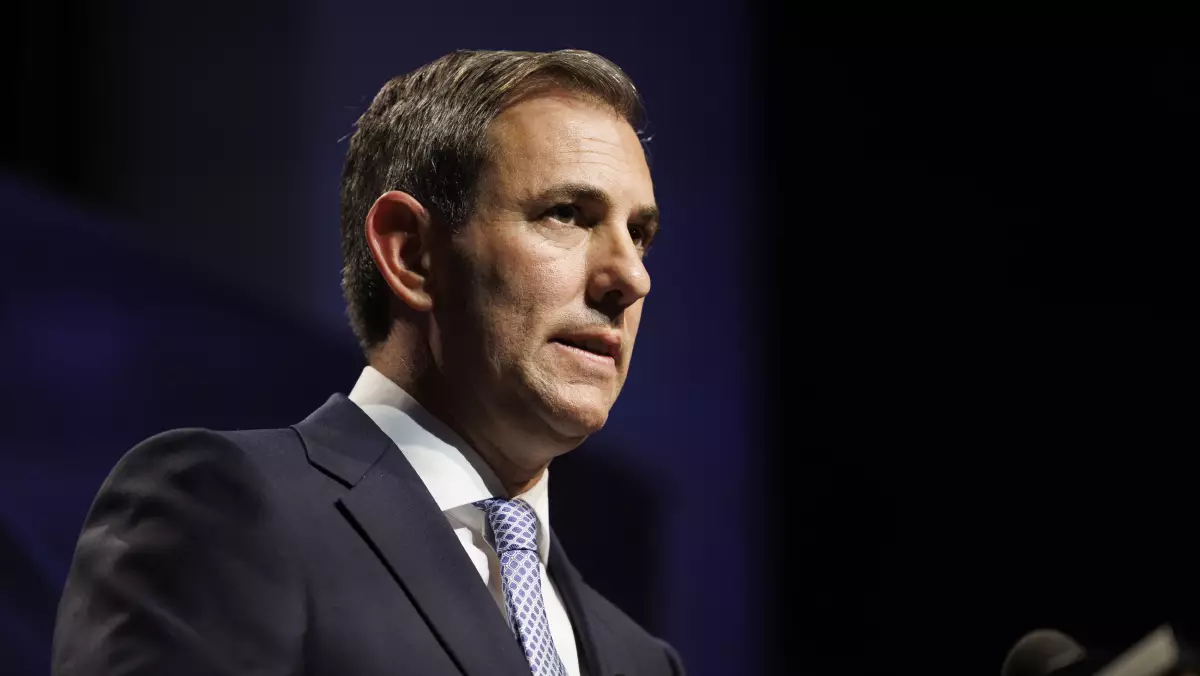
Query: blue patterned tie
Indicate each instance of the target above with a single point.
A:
(514, 525)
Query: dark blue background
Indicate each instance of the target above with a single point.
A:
(171, 258)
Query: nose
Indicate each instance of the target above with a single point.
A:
(618, 277)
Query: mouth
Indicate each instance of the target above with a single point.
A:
(600, 345)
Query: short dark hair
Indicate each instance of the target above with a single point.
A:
(425, 133)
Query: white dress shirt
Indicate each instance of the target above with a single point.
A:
(456, 478)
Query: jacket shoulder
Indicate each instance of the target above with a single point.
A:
(187, 533)
(240, 449)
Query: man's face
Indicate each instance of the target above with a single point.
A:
(539, 301)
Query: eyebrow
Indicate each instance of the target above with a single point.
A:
(646, 216)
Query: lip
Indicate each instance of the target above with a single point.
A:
(592, 360)
(609, 342)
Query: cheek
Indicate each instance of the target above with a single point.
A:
(525, 295)
(539, 279)
(517, 288)
(561, 279)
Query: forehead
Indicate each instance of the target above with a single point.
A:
(558, 137)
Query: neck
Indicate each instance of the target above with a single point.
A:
(516, 481)
(517, 472)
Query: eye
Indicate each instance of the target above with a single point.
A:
(642, 236)
(638, 233)
(565, 213)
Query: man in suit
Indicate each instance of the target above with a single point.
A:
(496, 209)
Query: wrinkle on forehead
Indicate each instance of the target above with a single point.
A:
(536, 132)
(553, 140)
(599, 146)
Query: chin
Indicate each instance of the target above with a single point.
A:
(585, 423)
(578, 414)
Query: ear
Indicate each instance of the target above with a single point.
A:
(399, 235)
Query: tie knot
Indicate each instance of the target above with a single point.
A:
(514, 524)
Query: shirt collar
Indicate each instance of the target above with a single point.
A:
(451, 470)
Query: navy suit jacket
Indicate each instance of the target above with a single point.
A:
(314, 549)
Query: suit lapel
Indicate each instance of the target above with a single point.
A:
(397, 516)
(588, 629)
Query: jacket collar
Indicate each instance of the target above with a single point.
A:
(396, 515)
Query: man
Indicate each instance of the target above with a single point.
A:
(496, 209)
